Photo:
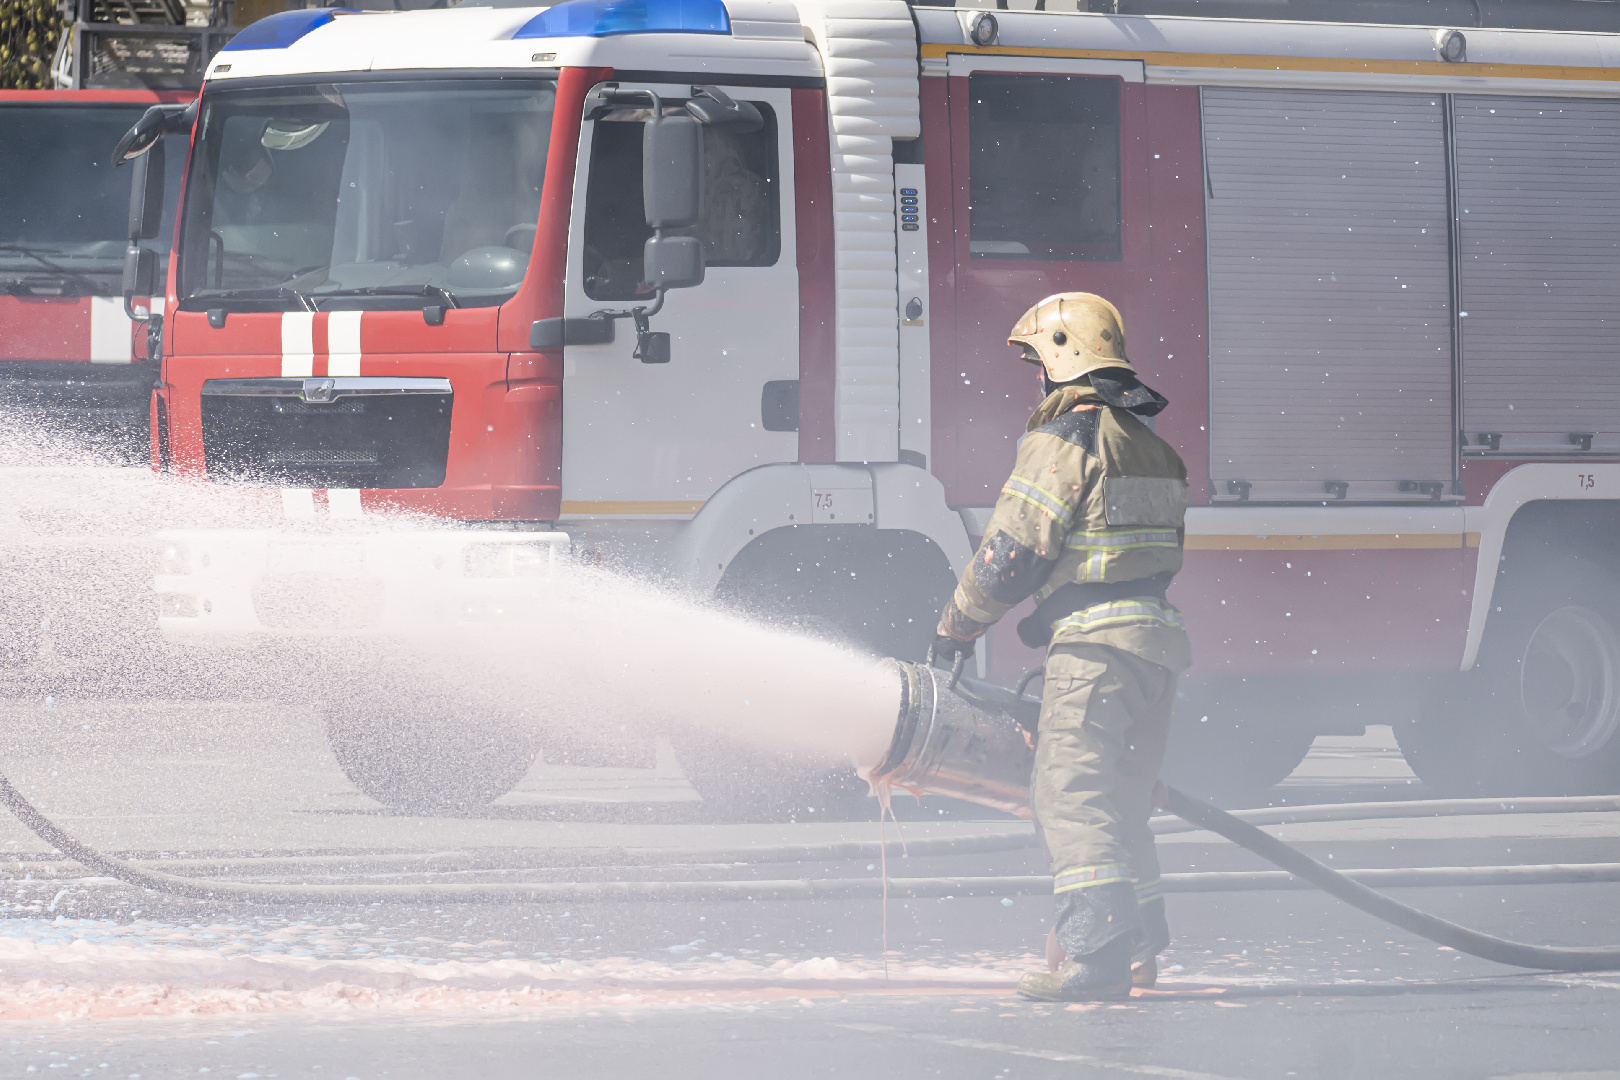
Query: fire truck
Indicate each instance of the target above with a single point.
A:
(719, 290)
(65, 341)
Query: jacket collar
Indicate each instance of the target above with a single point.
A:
(1106, 386)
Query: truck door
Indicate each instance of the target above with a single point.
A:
(1049, 174)
(657, 440)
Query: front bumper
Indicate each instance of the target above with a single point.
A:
(216, 585)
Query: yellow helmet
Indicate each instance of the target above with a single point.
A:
(1072, 334)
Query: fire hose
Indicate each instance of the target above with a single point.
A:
(956, 740)
(962, 738)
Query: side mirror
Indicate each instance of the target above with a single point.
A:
(146, 133)
(673, 262)
(141, 279)
(146, 194)
(155, 122)
(672, 172)
(140, 272)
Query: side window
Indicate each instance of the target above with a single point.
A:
(741, 223)
(1043, 174)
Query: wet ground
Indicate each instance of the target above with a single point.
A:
(100, 979)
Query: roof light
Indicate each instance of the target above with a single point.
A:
(283, 28)
(601, 18)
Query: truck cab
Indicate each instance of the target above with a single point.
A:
(66, 354)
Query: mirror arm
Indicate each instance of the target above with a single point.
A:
(136, 314)
(642, 314)
(601, 101)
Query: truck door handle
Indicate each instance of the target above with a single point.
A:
(557, 332)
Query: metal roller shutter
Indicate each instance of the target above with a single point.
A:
(1329, 290)
(1538, 194)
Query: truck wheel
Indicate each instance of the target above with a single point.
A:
(428, 764)
(872, 592)
(742, 784)
(1228, 747)
(1540, 713)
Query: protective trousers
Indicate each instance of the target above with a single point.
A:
(1105, 717)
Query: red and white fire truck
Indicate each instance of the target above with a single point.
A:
(457, 262)
(64, 337)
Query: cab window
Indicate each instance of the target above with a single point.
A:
(741, 223)
(1043, 170)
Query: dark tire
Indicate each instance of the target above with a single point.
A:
(741, 784)
(428, 765)
(875, 592)
(1231, 742)
(1540, 712)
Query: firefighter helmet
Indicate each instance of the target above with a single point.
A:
(1072, 334)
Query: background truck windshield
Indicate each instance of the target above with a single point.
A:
(365, 190)
(64, 209)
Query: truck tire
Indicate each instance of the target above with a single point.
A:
(1540, 712)
(428, 765)
(740, 783)
(1230, 744)
(874, 592)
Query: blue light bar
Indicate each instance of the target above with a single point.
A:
(283, 28)
(602, 18)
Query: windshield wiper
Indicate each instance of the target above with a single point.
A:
(392, 290)
(65, 273)
(279, 292)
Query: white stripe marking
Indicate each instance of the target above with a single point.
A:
(343, 343)
(298, 503)
(109, 331)
(343, 502)
(297, 344)
(1044, 1055)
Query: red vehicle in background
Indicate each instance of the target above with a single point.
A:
(65, 340)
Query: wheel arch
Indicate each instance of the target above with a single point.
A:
(1567, 508)
(887, 497)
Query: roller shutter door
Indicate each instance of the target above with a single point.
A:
(1538, 194)
(1329, 289)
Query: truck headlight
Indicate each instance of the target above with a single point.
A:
(508, 560)
(178, 606)
(174, 558)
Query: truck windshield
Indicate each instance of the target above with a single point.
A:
(364, 194)
(64, 209)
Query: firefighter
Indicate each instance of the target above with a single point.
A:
(1090, 525)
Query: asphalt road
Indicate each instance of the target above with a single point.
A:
(101, 980)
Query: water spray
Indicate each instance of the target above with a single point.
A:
(965, 743)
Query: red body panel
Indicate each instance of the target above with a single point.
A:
(1369, 611)
(1261, 612)
(45, 328)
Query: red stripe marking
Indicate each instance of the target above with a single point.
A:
(818, 329)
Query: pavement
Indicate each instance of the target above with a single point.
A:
(99, 979)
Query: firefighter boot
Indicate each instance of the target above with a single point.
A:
(1104, 975)
(1155, 938)
(1098, 928)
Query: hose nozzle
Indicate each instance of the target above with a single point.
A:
(960, 738)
